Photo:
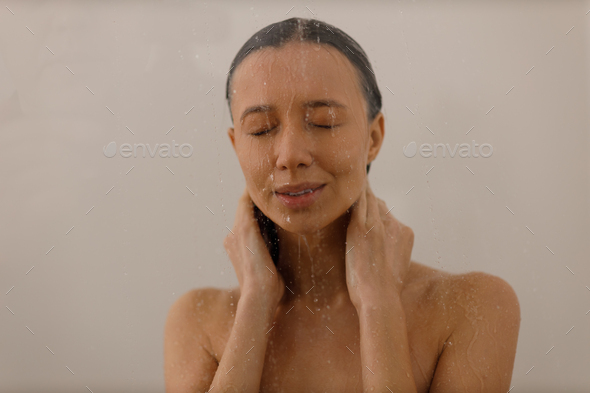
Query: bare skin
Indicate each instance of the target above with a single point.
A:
(303, 355)
(345, 308)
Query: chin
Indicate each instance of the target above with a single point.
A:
(301, 226)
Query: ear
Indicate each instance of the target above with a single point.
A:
(376, 135)
(232, 136)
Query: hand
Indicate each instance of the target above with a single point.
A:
(250, 257)
(380, 259)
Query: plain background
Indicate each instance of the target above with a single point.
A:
(97, 302)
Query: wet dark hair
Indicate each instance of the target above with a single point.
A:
(311, 30)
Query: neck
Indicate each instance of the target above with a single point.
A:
(313, 265)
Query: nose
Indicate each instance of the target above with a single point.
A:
(294, 147)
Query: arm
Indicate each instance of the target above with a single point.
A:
(242, 361)
(188, 363)
(262, 288)
(479, 354)
(385, 352)
(376, 267)
(189, 366)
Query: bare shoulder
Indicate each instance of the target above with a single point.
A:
(470, 291)
(187, 324)
(482, 314)
(200, 308)
(426, 285)
(483, 295)
(460, 301)
(477, 319)
(189, 360)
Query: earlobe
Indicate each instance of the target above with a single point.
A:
(376, 135)
(232, 136)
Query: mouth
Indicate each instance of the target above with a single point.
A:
(302, 192)
(301, 199)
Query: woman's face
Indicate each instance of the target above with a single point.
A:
(305, 103)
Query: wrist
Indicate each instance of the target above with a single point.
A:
(260, 297)
(265, 289)
(374, 300)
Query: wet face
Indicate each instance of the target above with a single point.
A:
(300, 116)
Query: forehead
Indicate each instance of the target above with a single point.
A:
(297, 70)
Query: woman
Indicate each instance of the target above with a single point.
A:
(328, 298)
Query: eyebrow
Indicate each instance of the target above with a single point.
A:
(308, 104)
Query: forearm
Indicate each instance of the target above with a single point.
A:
(240, 368)
(385, 351)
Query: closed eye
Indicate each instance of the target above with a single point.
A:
(314, 125)
(262, 132)
(317, 125)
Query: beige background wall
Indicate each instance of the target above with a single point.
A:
(97, 301)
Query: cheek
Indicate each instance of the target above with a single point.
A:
(346, 157)
(258, 174)
(254, 163)
(348, 164)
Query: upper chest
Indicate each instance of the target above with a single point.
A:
(318, 349)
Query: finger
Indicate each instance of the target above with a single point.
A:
(243, 202)
(245, 211)
(247, 227)
(382, 208)
(230, 241)
(405, 242)
(359, 212)
(385, 210)
(366, 193)
(391, 224)
(373, 216)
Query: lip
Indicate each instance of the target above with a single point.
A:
(302, 201)
(298, 187)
